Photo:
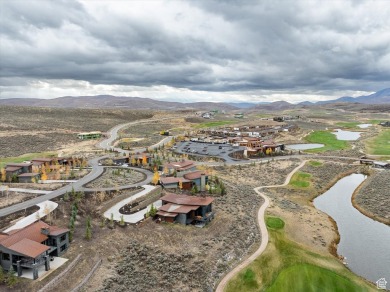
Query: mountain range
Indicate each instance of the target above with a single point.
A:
(109, 101)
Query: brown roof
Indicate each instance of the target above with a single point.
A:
(194, 175)
(181, 165)
(29, 247)
(19, 164)
(12, 168)
(32, 232)
(42, 159)
(172, 180)
(166, 214)
(187, 200)
(28, 174)
(54, 230)
(173, 208)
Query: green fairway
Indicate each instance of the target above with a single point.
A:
(214, 124)
(328, 139)
(310, 278)
(274, 223)
(315, 163)
(379, 145)
(288, 266)
(25, 157)
(300, 180)
(348, 125)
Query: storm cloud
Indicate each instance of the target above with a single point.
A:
(205, 50)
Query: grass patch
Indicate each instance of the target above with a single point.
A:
(376, 122)
(274, 223)
(300, 180)
(287, 266)
(315, 163)
(214, 124)
(328, 139)
(348, 125)
(311, 278)
(379, 145)
(25, 157)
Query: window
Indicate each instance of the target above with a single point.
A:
(63, 237)
(6, 257)
(63, 247)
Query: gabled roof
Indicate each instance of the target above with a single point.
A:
(32, 232)
(181, 165)
(12, 168)
(187, 200)
(29, 248)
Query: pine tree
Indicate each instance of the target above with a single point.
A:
(11, 277)
(88, 229)
(122, 222)
(2, 275)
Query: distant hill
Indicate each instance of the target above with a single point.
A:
(380, 97)
(109, 101)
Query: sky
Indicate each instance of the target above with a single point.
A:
(219, 51)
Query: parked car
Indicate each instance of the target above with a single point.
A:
(125, 165)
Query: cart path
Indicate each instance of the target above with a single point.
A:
(263, 231)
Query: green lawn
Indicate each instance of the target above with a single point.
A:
(214, 124)
(380, 145)
(300, 180)
(328, 139)
(25, 157)
(315, 163)
(349, 125)
(311, 278)
(274, 223)
(288, 266)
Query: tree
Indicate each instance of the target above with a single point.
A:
(11, 277)
(156, 178)
(2, 275)
(268, 151)
(153, 211)
(43, 175)
(166, 170)
(133, 161)
(3, 175)
(88, 229)
(122, 222)
(144, 160)
(180, 184)
(194, 190)
(112, 220)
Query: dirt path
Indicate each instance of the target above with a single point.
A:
(263, 231)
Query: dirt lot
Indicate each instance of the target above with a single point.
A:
(30, 130)
(113, 177)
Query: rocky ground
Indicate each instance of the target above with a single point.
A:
(113, 177)
(373, 198)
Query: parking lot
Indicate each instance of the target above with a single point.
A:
(207, 149)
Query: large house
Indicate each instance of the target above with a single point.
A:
(13, 170)
(185, 209)
(181, 167)
(32, 246)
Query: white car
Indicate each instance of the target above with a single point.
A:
(125, 165)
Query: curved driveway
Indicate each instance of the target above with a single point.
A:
(263, 230)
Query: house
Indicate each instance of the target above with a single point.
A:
(198, 178)
(181, 167)
(185, 209)
(13, 170)
(173, 183)
(381, 164)
(89, 135)
(29, 177)
(32, 246)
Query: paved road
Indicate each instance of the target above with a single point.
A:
(263, 230)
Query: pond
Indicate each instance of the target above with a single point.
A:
(304, 146)
(346, 135)
(364, 126)
(364, 242)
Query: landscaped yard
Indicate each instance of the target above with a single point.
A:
(287, 266)
(379, 145)
(328, 139)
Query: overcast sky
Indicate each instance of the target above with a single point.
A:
(194, 50)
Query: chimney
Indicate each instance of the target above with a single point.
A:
(202, 182)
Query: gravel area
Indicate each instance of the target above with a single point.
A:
(373, 198)
(113, 177)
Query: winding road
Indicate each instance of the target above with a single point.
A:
(263, 231)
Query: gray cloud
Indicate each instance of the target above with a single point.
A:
(215, 46)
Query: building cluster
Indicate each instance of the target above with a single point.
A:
(31, 171)
(31, 247)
